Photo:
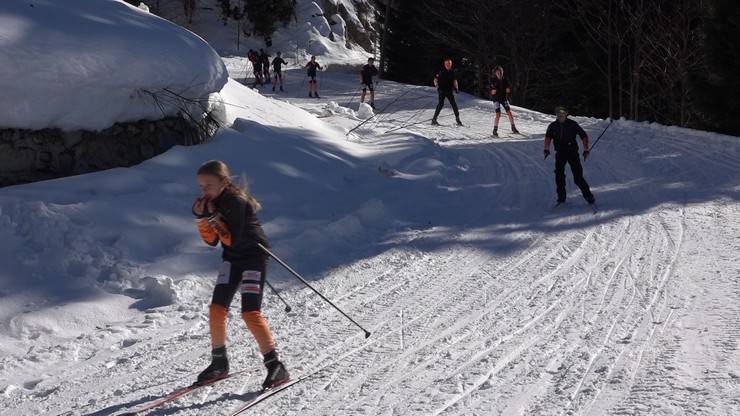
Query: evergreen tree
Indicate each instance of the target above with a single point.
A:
(717, 85)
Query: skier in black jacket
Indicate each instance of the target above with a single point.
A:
(227, 214)
(446, 82)
(563, 133)
(265, 62)
(311, 67)
(277, 69)
(500, 93)
(366, 80)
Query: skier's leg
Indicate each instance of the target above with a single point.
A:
(440, 103)
(560, 161)
(224, 291)
(451, 99)
(253, 283)
(575, 166)
(362, 97)
(226, 286)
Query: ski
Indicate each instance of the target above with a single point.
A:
(268, 393)
(184, 391)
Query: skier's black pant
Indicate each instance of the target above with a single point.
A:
(248, 277)
(451, 98)
(574, 160)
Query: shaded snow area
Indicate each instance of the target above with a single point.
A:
(440, 240)
(81, 64)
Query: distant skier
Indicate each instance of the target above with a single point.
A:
(254, 58)
(446, 82)
(265, 62)
(277, 69)
(563, 132)
(226, 214)
(366, 79)
(500, 93)
(312, 66)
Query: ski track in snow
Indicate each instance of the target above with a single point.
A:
(631, 311)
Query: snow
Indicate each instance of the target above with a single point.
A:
(307, 34)
(64, 77)
(441, 241)
(365, 111)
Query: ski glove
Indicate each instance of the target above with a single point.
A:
(205, 213)
(585, 154)
(207, 233)
(216, 221)
(547, 153)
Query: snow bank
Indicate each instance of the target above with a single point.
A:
(54, 73)
(365, 111)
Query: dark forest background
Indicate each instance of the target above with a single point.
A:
(674, 62)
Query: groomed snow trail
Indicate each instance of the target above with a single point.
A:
(503, 306)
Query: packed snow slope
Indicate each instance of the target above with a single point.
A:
(441, 241)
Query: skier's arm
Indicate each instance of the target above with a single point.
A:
(454, 83)
(548, 139)
(584, 136)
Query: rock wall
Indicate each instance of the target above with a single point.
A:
(34, 155)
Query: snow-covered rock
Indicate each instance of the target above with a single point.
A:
(82, 64)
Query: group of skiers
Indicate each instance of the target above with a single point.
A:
(562, 132)
(260, 62)
(226, 214)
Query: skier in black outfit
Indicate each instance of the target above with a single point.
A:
(257, 65)
(366, 80)
(563, 132)
(311, 67)
(265, 63)
(446, 82)
(500, 93)
(277, 69)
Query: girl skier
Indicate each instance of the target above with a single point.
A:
(226, 213)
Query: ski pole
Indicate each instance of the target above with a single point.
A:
(287, 307)
(602, 133)
(298, 276)
(379, 112)
(408, 120)
(349, 103)
(303, 82)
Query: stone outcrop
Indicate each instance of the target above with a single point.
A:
(34, 155)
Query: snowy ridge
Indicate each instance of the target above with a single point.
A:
(440, 240)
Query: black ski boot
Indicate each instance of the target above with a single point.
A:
(276, 372)
(434, 122)
(514, 130)
(459, 123)
(218, 369)
(316, 95)
(281, 89)
(310, 95)
(495, 131)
